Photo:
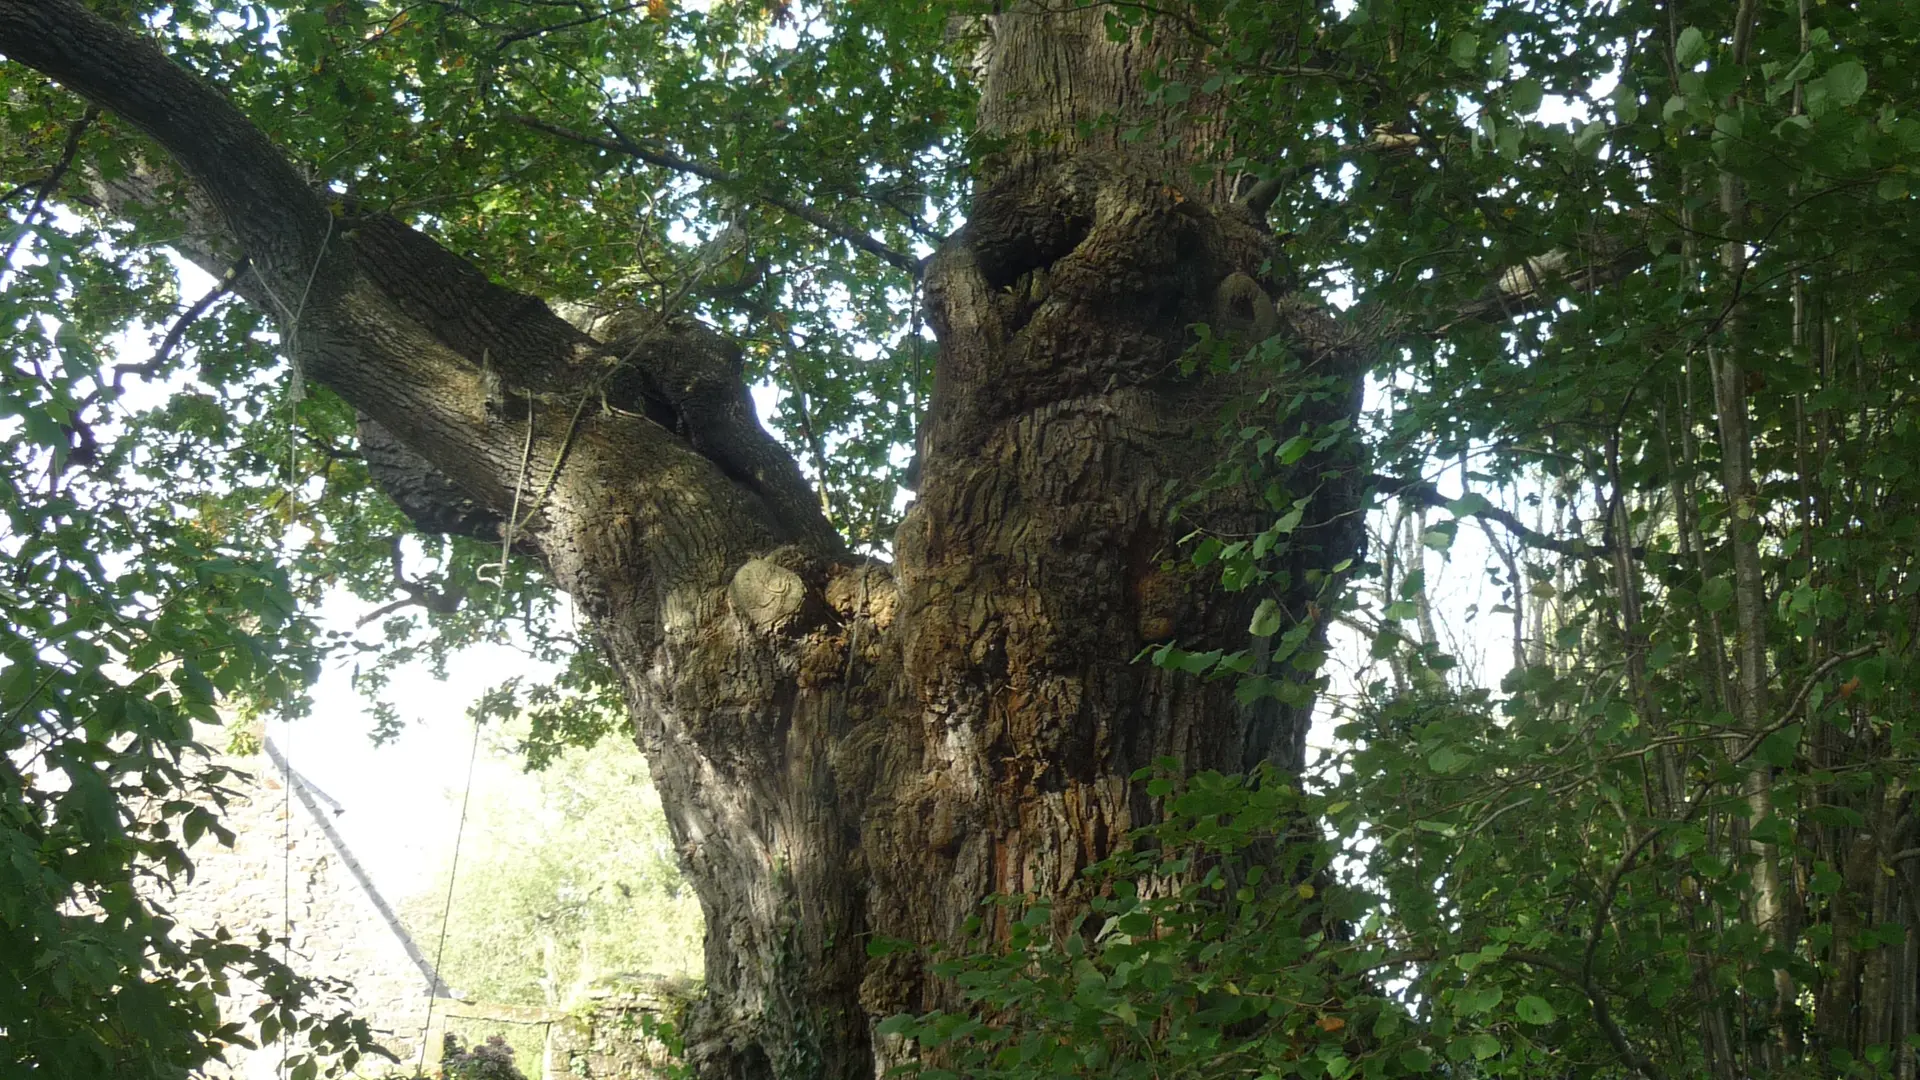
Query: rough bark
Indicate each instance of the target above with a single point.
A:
(844, 748)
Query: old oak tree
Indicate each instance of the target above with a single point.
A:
(533, 256)
(846, 747)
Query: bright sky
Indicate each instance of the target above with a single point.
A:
(402, 799)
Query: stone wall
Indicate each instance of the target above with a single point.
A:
(617, 1035)
(620, 1036)
(288, 874)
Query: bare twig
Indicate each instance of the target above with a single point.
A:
(620, 143)
(1426, 494)
(1260, 197)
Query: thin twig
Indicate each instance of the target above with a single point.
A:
(1603, 909)
(569, 24)
(51, 182)
(180, 325)
(667, 159)
(1260, 197)
(1426, 494)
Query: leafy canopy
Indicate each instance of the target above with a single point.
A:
(176, 505)
(1642, 275)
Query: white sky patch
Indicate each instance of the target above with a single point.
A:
(402, 799)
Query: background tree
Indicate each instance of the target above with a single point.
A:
(572, 887)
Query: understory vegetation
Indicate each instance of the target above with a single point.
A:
(574, 890)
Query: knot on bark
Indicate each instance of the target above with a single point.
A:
(1241, 308)
(768, 596)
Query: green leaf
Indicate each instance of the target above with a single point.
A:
(1845, 83)
(1464, 49)
(1716, 594)
(1266, 619)
(76, 355)
(1780, 748)
(1689, 48)
(1626, 103)
(1468, 505)
(1208, 551)
(898, 1024)
(1448, 760)
(1525, 97)
(1533, 1009)
(1687, 840)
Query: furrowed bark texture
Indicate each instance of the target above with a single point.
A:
(844, 748)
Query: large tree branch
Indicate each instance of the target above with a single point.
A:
(433, 503)
(487, 385)
(1535, 284)
(1542, 280)
(274, 215)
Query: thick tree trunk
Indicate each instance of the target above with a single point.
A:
(844, 748)
(883, 747)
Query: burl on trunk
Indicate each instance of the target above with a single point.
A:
(845, 748)
(854, 749)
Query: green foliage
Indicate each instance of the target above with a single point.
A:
(1644, 281)
(1646, 277)
(140, 593)
(175, 511)
(566, 892)
(1223, 942)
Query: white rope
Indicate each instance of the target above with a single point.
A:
(446, 909)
